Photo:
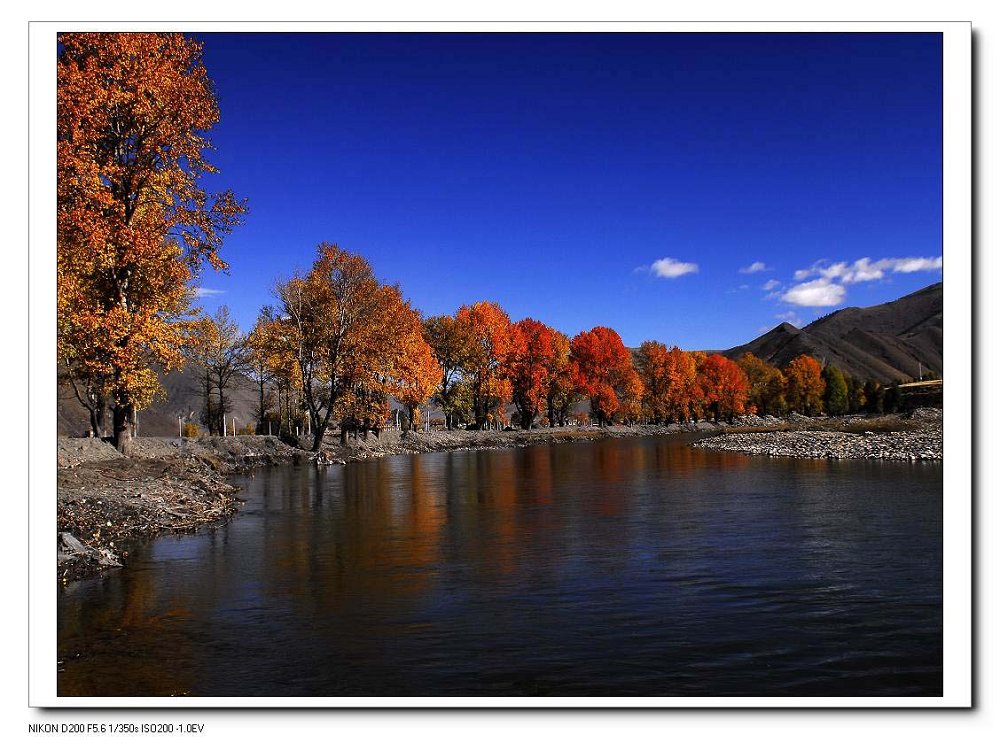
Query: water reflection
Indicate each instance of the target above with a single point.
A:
(617, 567)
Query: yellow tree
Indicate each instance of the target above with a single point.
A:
(222, 352)
(135, 225)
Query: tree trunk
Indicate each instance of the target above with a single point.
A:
(123, 426)
(318, 437)
(409, 417)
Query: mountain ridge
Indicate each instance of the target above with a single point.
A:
(893, 341)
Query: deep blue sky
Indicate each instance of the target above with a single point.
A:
(549, 172)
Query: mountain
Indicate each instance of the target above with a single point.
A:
(895, 341)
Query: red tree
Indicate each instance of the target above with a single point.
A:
(603, 371)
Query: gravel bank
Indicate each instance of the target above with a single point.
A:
(918, 437)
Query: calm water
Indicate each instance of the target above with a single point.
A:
(624, 567)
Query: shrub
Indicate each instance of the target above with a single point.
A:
(191, 430)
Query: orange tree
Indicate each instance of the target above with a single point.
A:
(134, 223)
(683, 398)
(491, 346)
(767, 385)
(724, 387)
(652, 361)
(414, 374)
(804, 385)
(603, 372)
(354, 341)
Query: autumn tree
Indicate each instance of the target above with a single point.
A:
(835, 400)
(683, 398)
(221, 350)
(766, 383)
(805, 385)
(354, 342)
(491, 346)
(652, 365)
(261, 350)
(451, 342)
(603, 371)
(724, 387)
(134, 224)
(530, 368)
(562, 393)
(416, 375)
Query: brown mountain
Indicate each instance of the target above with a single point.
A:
(895, 341)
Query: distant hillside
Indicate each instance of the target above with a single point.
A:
(160, 420)
(889, 342)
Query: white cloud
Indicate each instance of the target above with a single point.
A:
(755, 267)
(771, 284)
(671, 268)
(865, 269)
(204, 291)
(815, 293)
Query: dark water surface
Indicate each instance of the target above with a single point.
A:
(622, 567)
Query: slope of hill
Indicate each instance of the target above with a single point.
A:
(895, 341)
(183, 399)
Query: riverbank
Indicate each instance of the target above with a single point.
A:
(106, 501)
(915, 437)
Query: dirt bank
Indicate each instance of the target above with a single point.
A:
(105, 501)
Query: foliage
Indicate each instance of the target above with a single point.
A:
(451, 342)
(805, 385)
(531, 367)
(490, 351)
(724, 387)
(766, 385)
(835, 395)
(219, 348)
(603, 371)
(134, 224)
(353, 342)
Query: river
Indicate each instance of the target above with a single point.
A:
(614, 568)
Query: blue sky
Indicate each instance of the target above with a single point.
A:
(696, 189)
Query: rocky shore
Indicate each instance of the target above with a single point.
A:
(917, 437)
